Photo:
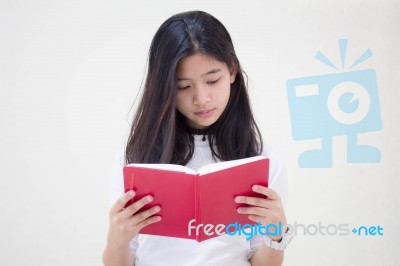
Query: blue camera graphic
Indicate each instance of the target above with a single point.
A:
(325, 106)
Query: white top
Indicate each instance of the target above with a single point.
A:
(152, 250)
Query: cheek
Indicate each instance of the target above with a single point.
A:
(224, 93)
(180, 101)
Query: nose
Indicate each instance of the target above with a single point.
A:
(201, 95)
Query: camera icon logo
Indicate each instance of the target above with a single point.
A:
(339, 104)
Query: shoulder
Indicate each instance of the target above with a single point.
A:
(274, 154)
(269, 150)
(120, 157)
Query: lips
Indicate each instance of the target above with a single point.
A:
(205, 113)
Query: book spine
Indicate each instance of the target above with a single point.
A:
(197, 209)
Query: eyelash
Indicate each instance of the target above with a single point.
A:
(213, 81)
(209, 82)
(183, 88)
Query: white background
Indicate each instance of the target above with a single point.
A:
(69, 73)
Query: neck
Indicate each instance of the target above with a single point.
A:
(198, 131)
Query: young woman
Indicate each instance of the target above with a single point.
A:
(194, 111)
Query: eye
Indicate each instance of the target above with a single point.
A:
(213, 81)
(183, 88)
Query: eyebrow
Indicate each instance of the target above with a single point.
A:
(208, 73)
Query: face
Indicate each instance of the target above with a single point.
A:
(203, 89)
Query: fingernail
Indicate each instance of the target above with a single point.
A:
(255, 188)
(131, 193)
(238, 199)
(156, 209)
(149, 198)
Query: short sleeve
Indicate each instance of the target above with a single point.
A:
(116, 180)
(117, 190)
(278, 181)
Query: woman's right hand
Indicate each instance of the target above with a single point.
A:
(126, 223)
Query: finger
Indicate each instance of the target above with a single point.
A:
(260, 202)
(255, 218)
(141, 216)
(253, 211)
(122, 201)
(266, 191)
(148, 221)
(137, 205)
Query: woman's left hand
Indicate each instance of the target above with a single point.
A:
(266, 210)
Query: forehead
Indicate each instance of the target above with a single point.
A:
(198, 64)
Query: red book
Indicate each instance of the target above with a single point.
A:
(190, 200)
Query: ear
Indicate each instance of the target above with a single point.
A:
(233, 72)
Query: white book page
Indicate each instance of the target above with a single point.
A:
(228, 164)
(167, 167)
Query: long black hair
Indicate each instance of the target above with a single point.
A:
(159, 133)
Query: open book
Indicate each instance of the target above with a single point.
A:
(187, 197)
